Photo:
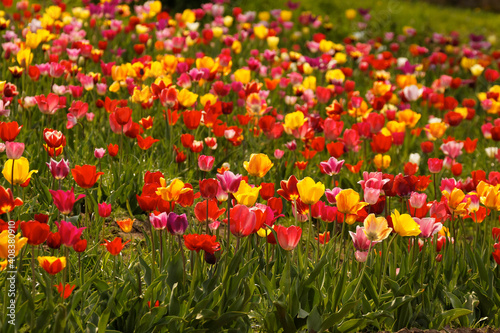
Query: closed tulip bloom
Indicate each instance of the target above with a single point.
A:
(309, 191)
(404, 224)
(243, 221)
(348, 202)
(21, 170)
(159, 221)
(104, 209)
(229, 181)
(70, 234)
(35, 231)
(86, 175)
(6, 243)
(52, 265)
(359, 239)
(65, 200)
(126, 225)
(294, 120)
(376, 228)
(116, 246)
(177, 224)
(246, 194)
(288, 238)
(99, 153)
(80, 246)
(54, 240)
(59, 170)
(332, 166)
(258, 165)
(417, 200)
(206, 163)
(209, 188)
(435, 165)
(14, 150)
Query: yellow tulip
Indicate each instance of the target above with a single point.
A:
(456, 201)
(382, 161)
(309, 191)
(396, 126)
(21, 171)
(258, 165)
(286, 15)
(348, 202)
(404, 224)
(3, 265)
(247, 195)
(19, 243)
(24, 57)
(260, 31)
(172, 191)
(294, 120)
(409, 117)
(262, 232)
(272, 42)
(187, 98)
(350, 14)
(242, 75)
(376, 228)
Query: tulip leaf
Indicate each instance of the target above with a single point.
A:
(353, 325)
(448, 316)
(335, 318)
(103, 320)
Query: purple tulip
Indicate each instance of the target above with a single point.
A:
(69, 233)
(229, 181)
(65, 200)
(14, 150)
(177, 224)
(59, 170)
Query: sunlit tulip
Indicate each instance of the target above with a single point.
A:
(258, 165)
(428, 226)
(20, 173)
(242, 221)
(246, 195)
(35, 231)
(288, 238)
(376, 228)
(14, 150)
(52, 265)
(348, 202)
(332, 166)
(86, 175)
(59, 170)
(172, 191)
(116, 246)
(229, 181)
(404, 224)
(177, 224)
(65, 200)
(7, 201)
(125, 225)
(6, 243)
(309, 191)
(70, 234)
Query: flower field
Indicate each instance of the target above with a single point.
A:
(227, 170)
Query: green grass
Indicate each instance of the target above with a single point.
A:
(392, 15)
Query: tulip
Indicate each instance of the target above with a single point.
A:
(99, 153)
(209, 188)
(86, 176)
(405, 225)
(417, 200)
(52, 265)
(172, 191)
(115, 247)
(207, 243)
(6, 243)
(348, 202)
(294, 121)
(14, 150)
(332, 166)
(59, 170)
(206, 163)
(7, 201)
(289, 189)
(428, 226)
(69, 233)
(159, 221)
(375, 228)
(258, 165)
(246, 194)
(65, 200)
(125, 225)
(17, 171)
(288, 238)
(9, 130)
(201, 210)
(229, 182)
(54, 240)
(65, 291)
(309, 191)
(456, 201)
(323, 238)
(35, 231)
(243, 221)
(104, 209)
(80, 246)
(359, 239)
(177, 224)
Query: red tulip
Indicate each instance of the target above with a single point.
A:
(116, 246)
(35, 231)
(209, 188)
(243, 221)
(288, 237)
(86, 176)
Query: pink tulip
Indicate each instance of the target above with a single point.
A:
(417, 200)
(435, 165)
(428, 226)
(331, 194)
(452, 149)
(50, 104)
(332, 129)
(14, 150)
(65, 200)
(361, 243)
(104, 209)
(278, 154)
(159, 221)
(229, 181)
(361, 256)
(332, 166)
(99, 153)
(59, 170)
(69, 233)
(206, 163)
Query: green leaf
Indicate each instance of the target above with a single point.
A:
(353, 325)
(335, 318)
(103, 320)
(448, 316)
(314, 320)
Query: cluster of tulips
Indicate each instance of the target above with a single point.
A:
(334, 182)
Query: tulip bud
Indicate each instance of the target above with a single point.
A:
(104, 209)
(14, 150)
(99, 152)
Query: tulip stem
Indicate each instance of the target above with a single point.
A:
(386, 257)
(208, 228)
(183, 258)
(228, 221)
(12, 178)
(33, 282)
(161, 250)
(153, 252)
(355, 293)
(309, 233)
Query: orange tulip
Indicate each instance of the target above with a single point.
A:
(258, 165)
(52, 265)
